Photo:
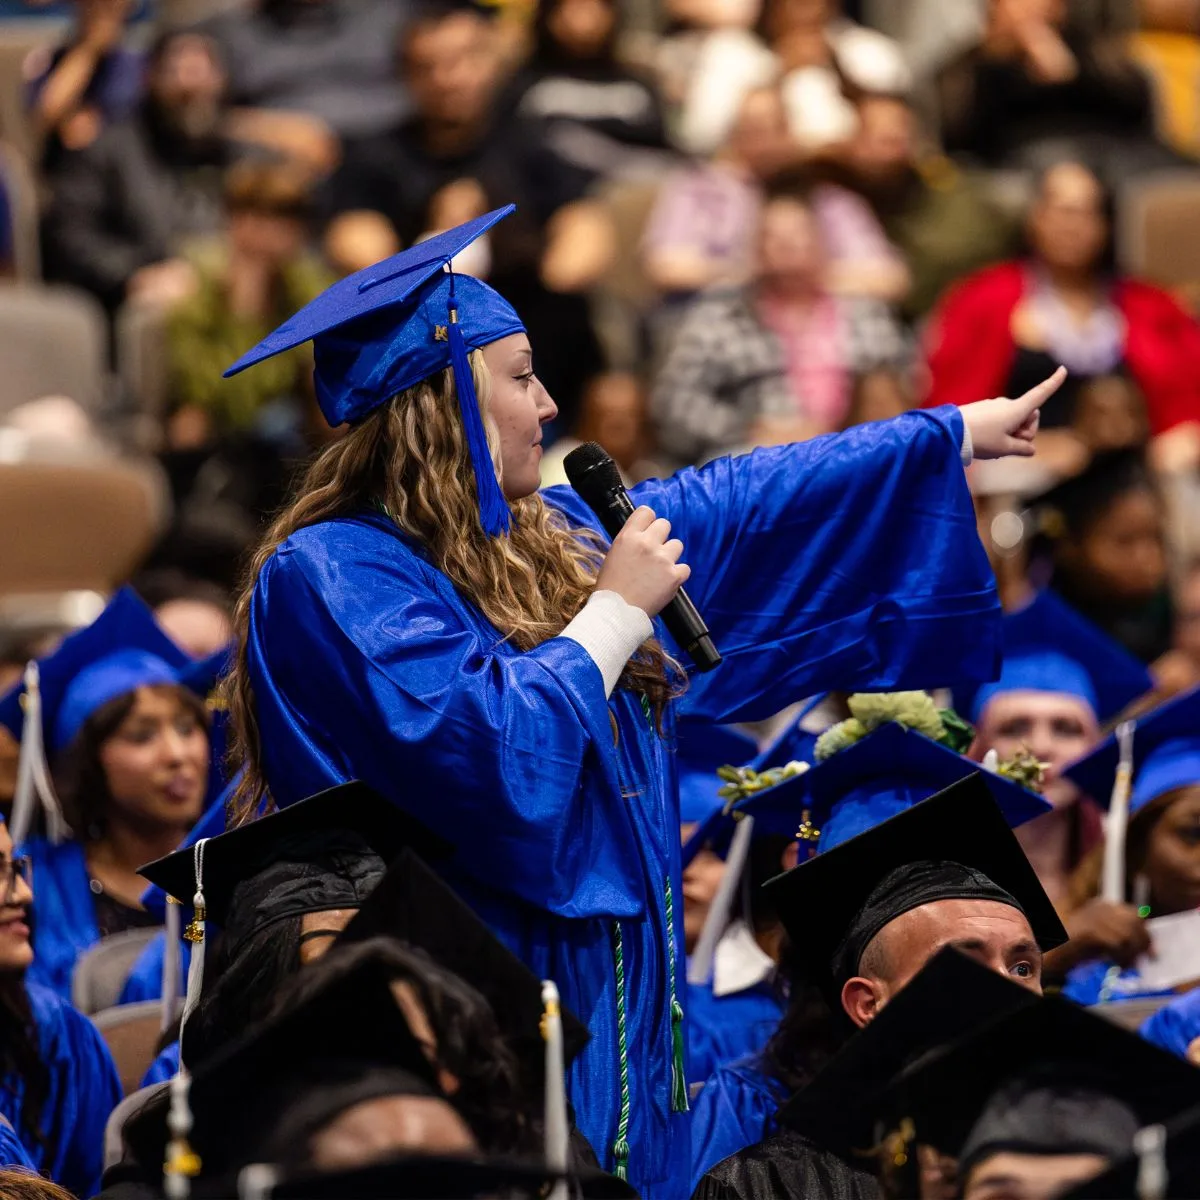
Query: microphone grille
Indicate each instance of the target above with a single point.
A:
(590, 466)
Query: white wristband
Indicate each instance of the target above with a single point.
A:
(610, 630)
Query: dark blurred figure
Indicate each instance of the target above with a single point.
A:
(778, 359)
(1037, 89)
(546, 256)
(331, 59)
(195, 613)
(598, 115)
(258, 277)
(938, 216)
(1100, 542)
(86, 83)
(1003, 328)
(121, 207)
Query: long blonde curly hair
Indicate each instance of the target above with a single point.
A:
(410, 458)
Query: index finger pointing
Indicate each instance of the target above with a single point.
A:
(1037, 396)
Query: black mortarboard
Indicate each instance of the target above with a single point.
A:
(1050, 1078)
(955, 845)
(951, 995)
(1178, 1166)
(326, 852)
(414, 905)
(442, 1178)
(264, 1094)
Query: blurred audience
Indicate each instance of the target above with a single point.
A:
(122, 207)
(776, 360)
(597, 114)
(1039, 87)
(937, 215)
(1001, 330)
(549, 254)
(252, 283)
(93, 79)
(195, 614)
(330, 59)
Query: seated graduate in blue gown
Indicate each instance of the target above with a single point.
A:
(423, 619)
(865, 780)
(1176, 1026)
(128, 746)
(58, 1083)
(1162, 850)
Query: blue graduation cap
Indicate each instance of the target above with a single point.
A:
(1049, 647)
(700, 749)
(121, 650)
(1166, 755)
(203, 677)
(389, 326)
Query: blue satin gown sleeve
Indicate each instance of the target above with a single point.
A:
(735, 1109)
(847, 562)
(144, 981)
(64, 913)
(84, 1089)
(496, 750)
(722, 1029)
(12, 1154)
(1176, 1025)
(163, 1067)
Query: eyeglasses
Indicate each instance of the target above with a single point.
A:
(12, 869)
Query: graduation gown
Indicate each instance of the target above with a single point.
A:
(1176, 1025)
(849, 561)
(144, 981)
(12, 1153)
(1089, 983)
(84, 1089)
(723, 1029)
(735, 1109)
(64, 912)
(787, 1165)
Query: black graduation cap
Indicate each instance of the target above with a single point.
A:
(951, 995)
(263, 1094)
(444, 1178)
(1049, 1078)
(326, 852)
(414, 905)
(1180, 1163)
(955, 845)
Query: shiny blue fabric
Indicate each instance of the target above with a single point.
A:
(163, 1067)
(735, 1109)
(64, 913)
(84, 1089)
(144, 981)
(1173, 765)
(722, 1029)
(1042, 672)
(848, 561)
(1088, 984)
(13, 1156)
(1176, 1025)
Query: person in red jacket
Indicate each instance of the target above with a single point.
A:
(1062, 304)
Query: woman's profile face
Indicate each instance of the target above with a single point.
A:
(156, 762)
(520, 406)
(1172, 865)
(16, 951)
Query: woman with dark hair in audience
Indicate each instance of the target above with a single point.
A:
(1064, 304)
(58, 1083)
(128, 746)
(597, 113)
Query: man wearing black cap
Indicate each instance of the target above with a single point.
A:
(864, 917)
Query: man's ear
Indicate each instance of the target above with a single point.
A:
(862, 1000)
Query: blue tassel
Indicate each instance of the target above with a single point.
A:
(493, 508)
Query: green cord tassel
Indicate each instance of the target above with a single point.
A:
(679, 1089)
(620, 1148)
(621, 1159)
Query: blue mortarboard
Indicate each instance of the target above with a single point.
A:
(1166, 754)
(699, 750)
(1049, 647)
(859, 787)
(391, 325)
(123, 649)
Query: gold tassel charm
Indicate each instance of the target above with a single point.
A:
(807, 832)
(195, 929)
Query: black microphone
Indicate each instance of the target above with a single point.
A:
(594, 475)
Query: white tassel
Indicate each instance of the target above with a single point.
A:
(170, 971)
(33, 775)
(1150, 1146)
(1112, 886)
(181, 1164)
(257, 1181)
(195, 935)
(557, 1130)
(700, 964)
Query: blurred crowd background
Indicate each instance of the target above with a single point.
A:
(740, 222)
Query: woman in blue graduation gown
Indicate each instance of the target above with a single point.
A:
(470, 651)
(58, 1083)
(129, 749)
